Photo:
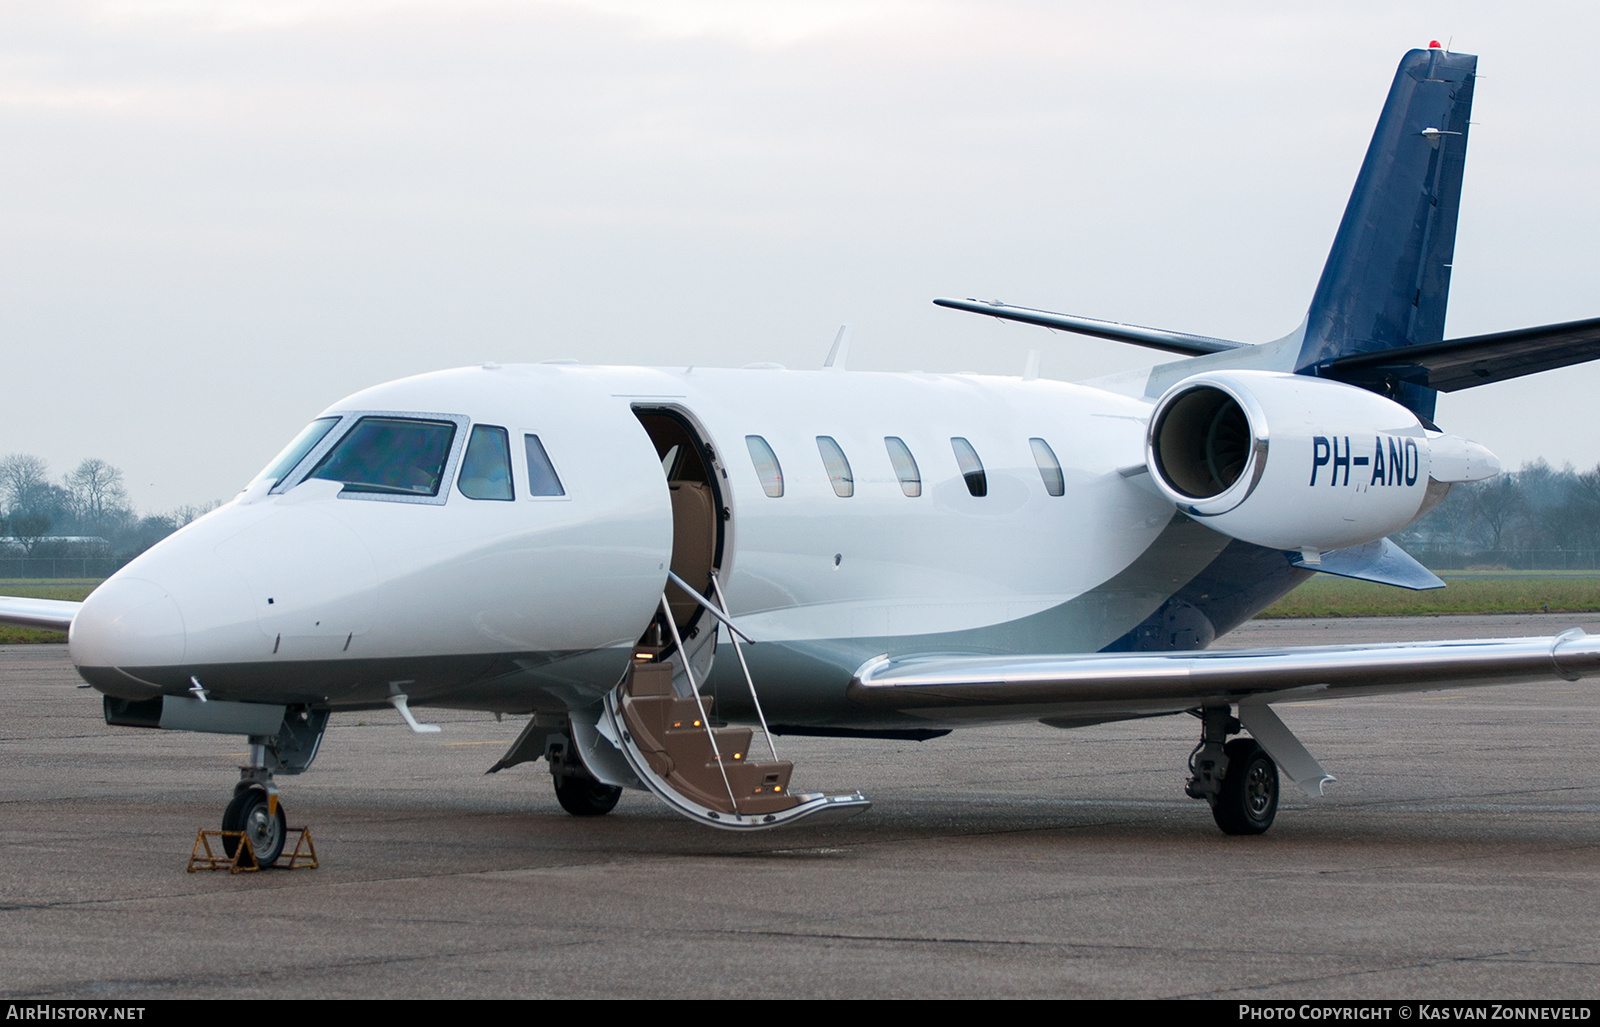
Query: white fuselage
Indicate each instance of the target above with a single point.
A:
(309, 595)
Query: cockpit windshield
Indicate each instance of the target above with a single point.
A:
(295, 451)
(390, 455)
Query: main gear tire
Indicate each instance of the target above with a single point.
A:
(1248, 802)
(584, 796)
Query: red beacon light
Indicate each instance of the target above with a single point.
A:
(1433, 44)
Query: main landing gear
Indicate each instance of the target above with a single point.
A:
(579, 792)
(1237, 778)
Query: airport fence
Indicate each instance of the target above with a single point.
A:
(60, 566)
(1527, 560)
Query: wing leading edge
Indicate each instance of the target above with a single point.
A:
(49, 614)
(1154, 338)
(1068, 690)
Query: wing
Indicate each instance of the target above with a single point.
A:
(1075, 691)
(1069, 690)
(1154, 338)
(50, 614)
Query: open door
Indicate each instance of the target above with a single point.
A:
(661, 724)
(699, 527)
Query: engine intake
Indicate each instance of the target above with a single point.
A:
(1288, 461)
(1202, 441)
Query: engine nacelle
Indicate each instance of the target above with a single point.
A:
(1289, 461)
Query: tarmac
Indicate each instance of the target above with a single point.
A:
(1456, 857)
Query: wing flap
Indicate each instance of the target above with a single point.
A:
(1139, 684)
(49, 614)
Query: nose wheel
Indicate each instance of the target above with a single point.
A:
(259, 817)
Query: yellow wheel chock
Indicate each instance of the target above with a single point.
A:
(243, 860)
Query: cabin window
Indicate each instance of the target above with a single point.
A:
(905, 466)
(971, 467)
(542, 478)
(390, 456)
(486, 469)
(1055, 482)
(833, 458)
(296, 451)
(767, 467)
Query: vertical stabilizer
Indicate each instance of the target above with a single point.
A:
(1387, 279)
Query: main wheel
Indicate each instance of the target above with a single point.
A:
(266, 831)
(584, 796)
(1249, 798)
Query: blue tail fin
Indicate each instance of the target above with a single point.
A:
(1388, 276)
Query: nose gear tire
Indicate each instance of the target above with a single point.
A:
(266, 831)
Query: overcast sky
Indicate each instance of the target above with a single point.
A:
(220, 217)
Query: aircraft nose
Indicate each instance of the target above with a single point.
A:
(128, 622)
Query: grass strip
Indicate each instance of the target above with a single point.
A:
(1329, 596)
(71, 589)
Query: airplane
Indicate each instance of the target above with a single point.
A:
(641, 560)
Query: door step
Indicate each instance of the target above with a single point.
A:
(705, 772)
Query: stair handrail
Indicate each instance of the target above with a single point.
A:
(711, 607)
(736, 634)
(694, 690)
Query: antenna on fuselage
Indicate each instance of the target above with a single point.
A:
(1030, 370)
(840, 351)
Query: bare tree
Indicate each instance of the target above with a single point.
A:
(22, 476)
(97, 490)
(28, 529)
(1498, 507)
(189, 512)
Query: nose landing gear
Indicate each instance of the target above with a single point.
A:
(256, 813)
(255, 810)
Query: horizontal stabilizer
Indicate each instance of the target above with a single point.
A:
(1381, 561)
(49, 614)
(1154, 338)
(1456, 364)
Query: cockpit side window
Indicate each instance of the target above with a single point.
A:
(389, 456)
(486, 469)
(296, 451)
(542, 478)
